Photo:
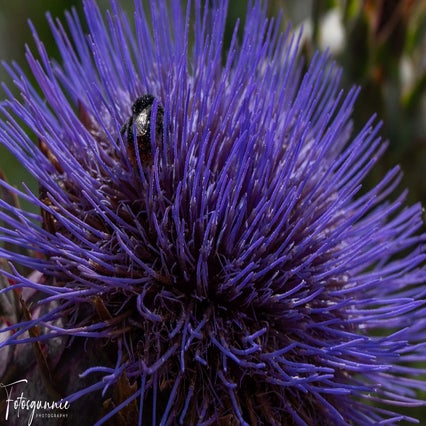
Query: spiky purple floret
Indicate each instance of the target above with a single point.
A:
(240, 277)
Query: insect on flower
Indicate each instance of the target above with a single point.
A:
(204, 254)
(139, 125)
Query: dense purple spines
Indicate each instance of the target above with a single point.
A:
(241, 277)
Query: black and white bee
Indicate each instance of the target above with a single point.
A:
(140, 123)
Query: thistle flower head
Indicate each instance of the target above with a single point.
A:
(202, 239)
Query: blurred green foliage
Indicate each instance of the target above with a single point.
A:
(15, 35)
(382, 48)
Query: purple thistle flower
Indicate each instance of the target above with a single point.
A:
(204, 254)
